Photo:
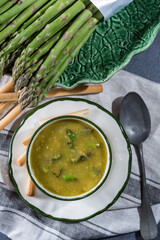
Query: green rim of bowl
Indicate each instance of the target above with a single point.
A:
(72, 198)
(129, 160)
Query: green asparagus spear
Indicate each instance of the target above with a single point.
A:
(19, 7)
(71, 134)
(2, 26)
(38, 14)
(2, 64)
(33, 100)
(69, 48)
(63, 67)
(86, 14)
(30, 20)
(45, 169)
(19, 68)
(6, 6)
(24, 78)
(56, 157)
(34, 27)
(21, 19)
(72, 137)
(81, 158)
(3, 2)
(54, 27)
(93, 145)
(51, 59)
(4, 60)
(69, 177)
(10, 62)
(86, 30)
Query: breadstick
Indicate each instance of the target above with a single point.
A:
(22, 159)
(10, 117)
(26, 141)
(58, 92)
(8, 97)
(30, 187)
(80, 113)
(5, 105)
(7, 87)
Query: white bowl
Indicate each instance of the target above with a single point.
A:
(77, 197)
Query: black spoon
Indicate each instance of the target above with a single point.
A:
(134, 117)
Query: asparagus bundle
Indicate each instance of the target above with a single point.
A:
(41, 38)
(77, 23)
(33, 63)
(21, 19)
(29, 95)
(35, 86)
(19, 7)
(40, 23)
(54, 27)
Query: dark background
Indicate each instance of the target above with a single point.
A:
(147, 65)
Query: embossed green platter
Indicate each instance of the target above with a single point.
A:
(114, 43)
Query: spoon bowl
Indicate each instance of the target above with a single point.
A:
(135, 118)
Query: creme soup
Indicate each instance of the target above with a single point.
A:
(68, 157)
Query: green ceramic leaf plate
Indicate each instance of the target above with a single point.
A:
(113, 44)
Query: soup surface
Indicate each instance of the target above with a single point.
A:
(68, 157)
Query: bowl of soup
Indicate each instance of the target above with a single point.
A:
(69, 157)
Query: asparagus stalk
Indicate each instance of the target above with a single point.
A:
(10, 62)
(6, 62)
(51, 59)
(19, 7)
(35, 86)
(86, 14)
(34, 27)
(24, 78)
(33, 100)
(6, 6)
(2, 64)
(7, 23)
(62, 67)
(3, 2)
(21, 19)
(30, 20)
(68, 49)
(3, 26)
(19, 68)
(54, 27)
(38, 14)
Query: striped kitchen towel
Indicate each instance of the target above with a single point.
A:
(19, 221)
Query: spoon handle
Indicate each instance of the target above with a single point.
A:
(148, 227)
